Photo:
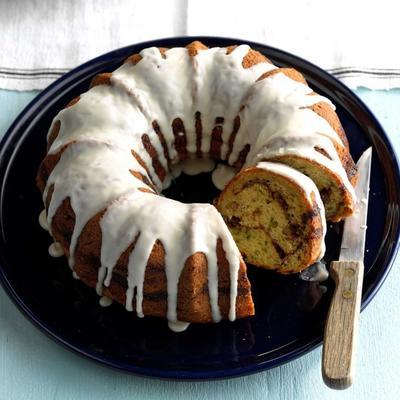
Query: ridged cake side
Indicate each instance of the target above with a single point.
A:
(117, 143)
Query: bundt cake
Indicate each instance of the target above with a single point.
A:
(112, 151)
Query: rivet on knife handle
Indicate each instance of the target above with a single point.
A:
(340, 340)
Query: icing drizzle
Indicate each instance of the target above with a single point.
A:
(55, 250)
(95, 170)
(315, 273)
(105, 301)
(222, 175)
(43, 220)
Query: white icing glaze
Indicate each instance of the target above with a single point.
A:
(192, 166)
(304, 145)
(91, 174)
(178, 326)
(109, 120)
(196, 227)
(222, 175)
(105, 301)
(220, 84)
(163, 89)
(55, 250)
(197, 166)
(106, 114)
(176, 170)
(277, 104)
(308, 187)
(277, 107)
(43, 220)
(315, 273)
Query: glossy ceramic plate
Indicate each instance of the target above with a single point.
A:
(290, 312)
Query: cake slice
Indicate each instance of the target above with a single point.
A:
(276, 217)
(283, 120)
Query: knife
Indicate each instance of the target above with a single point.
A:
(340, 338)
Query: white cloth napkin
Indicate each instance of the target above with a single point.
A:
(356, 41)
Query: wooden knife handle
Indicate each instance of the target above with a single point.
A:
(340, 339)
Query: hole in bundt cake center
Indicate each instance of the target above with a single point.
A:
(192, 189)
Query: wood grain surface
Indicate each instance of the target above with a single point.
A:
(341, 330)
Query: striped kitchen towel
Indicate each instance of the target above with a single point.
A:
(352, 40)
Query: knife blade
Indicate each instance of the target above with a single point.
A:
(355, 226)
(340, 338)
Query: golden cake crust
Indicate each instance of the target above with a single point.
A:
(193, 298)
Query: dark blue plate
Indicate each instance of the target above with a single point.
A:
(290, 313)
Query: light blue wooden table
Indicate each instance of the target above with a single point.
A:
(32, 367)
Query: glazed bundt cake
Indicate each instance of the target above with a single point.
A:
(112, 151)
